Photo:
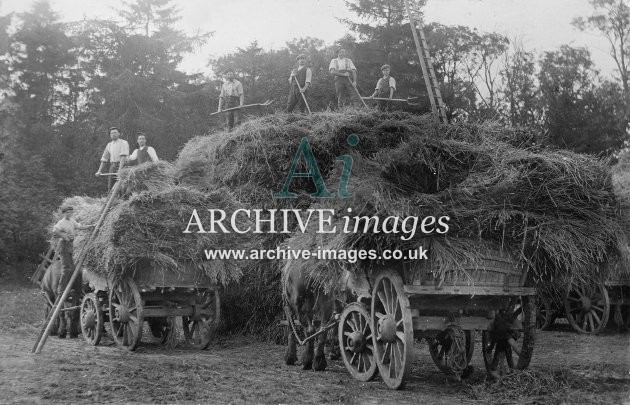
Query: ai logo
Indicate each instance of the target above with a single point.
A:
(304, 151)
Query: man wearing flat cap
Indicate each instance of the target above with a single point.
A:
(231, 96)
(300, 80)
(115, 154)
(66, 229)
(345, 76)
(385, 88)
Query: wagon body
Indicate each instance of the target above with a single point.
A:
(153, 293)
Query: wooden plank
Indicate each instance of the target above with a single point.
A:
(154, 312)
(467, 290)
(423, 323)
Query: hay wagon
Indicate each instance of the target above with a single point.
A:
(397, 304)
(153, 294)
(588, 307)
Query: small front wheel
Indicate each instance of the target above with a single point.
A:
(91, 319)
(355, 342)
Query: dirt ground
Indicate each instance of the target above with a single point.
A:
(566, 368)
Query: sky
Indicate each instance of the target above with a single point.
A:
(541, 25)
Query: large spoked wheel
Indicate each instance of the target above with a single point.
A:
(92, 318)
(545, 314)
(509, 341)
(393, 329)
(587, 308)
(441, 349)
(355, 342)
(200, 328)
(126, 313)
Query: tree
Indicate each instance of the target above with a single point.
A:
(579, 115)
(519, 93)
(612, 19)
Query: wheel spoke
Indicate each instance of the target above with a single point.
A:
(381, 296)
(590, 321)
(597, 319)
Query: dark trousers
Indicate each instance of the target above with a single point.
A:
(67, 264)
(383, 105)
(344, 91)
(113, 168)
(296, 100)
(232, 118)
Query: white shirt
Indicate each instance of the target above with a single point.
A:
(150, 151)
(341, 64)
(114, 150)
(392, 82)
(231, 89)
(309, 74)
(66, 227)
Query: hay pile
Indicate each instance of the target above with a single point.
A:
(555, 210)
(148, 223)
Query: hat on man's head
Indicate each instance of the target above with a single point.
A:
(67, 208)
(109, 131)
(141, 133)
(228, 70)
(339, 49)
(385, 67)
(300, 56)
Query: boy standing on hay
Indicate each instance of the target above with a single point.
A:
(385, 88)
(231, 96)
(144, 153)
(66, 229)
(115, 153)
(345, 76)
(300, 80)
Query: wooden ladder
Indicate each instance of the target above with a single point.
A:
(435, 96)
(47, 259)
(56, 308)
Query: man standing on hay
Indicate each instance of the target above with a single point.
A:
(144, 153)
(115, 153)
(300, 81)
(231, 96)
(66, 229)
(345, 76)
(385, 88)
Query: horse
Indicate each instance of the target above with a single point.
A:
(307, 301)
(68, 321)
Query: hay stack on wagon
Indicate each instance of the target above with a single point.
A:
(552, 209)
(147, 223)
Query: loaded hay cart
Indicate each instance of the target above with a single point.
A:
(405, 304)
(153, 294)
(397, 304)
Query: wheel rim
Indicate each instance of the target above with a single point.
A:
(355, 342)
(587, 308)
(510, 339)
(393, 329)
(440, 348)
(91, 319)
(200, 328)
(126, 314)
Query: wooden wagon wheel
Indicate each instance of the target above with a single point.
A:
(509, 341)
(545, 313)
(587, 308)
(199, 329)
(162, 328)
(126, 313)
(91, 318)
(393, 329)
(355, 342)
(440, 348)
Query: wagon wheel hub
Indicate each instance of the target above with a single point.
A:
(89, 319)
(586, 303)
(387, 328)
(356, 342)
(122, 313)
